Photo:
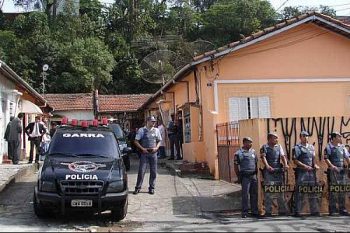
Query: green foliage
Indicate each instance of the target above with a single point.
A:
(229, 20)
(102, 47)
(289, 12)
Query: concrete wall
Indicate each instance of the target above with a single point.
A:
(304, 71)
(76, 114)
(288, 130)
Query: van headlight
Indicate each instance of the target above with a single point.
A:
(115, 186)
(48, 186)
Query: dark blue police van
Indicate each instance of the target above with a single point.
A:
(83, 170)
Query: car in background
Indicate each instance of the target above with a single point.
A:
(122, 141)
(83, 170)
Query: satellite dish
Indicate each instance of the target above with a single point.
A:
(199, 47)
(45, 67)
(160, 66)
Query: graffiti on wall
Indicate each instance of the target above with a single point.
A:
(319, 129)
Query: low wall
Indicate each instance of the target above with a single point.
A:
(288, 130)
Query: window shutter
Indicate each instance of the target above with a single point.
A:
(264, 107)
(238, 108)
(254, 107)
(233, 109)
(243, 108)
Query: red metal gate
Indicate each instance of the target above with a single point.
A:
(228, 144)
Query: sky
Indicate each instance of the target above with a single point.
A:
(341, 6)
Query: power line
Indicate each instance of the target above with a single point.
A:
(282, 5)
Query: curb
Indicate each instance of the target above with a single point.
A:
(18, 175)
(171, 167)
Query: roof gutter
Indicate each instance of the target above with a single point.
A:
(24, 84)
(168, 84)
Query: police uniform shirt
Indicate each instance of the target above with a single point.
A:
(263, 149)
(155, 132)
(299, 148)
(330, 146)
(239, 156)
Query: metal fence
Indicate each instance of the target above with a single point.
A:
(228, 144)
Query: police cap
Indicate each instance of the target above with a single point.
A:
(247, 139)
(304, 133)
(151, 118)
(272, 134)
(334, 134)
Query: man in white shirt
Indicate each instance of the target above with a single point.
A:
(161, 152)
(35, 131)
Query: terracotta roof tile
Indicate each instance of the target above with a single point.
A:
(61, 102)
(121, 103)
(107, 103)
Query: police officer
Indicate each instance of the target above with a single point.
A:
(246, 168)
(148, 140)
(272, 155)
(305, 173)
(334, 154)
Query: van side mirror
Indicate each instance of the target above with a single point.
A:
(127, 150)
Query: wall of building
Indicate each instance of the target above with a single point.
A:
(7, 108)
(288, 130)
(300, 56)
(75, 114)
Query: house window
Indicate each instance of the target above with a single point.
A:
(241, 108)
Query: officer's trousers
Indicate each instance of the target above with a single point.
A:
(152, 160)
(337, 178)
(274, 178)
(249, 189)
(306, 178)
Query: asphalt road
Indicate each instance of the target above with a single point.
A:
(176, 206)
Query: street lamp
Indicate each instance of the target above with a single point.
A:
(43, 75)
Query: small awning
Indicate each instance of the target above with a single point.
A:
(29, 107)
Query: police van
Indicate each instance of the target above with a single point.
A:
(83, 170)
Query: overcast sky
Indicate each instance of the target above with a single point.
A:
(341, 6)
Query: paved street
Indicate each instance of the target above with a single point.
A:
(180, 204)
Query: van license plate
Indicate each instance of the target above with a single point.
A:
(81, 203)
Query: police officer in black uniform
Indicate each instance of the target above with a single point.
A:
(272, 155)
(246, 169)
(305, 173)
(334, 154)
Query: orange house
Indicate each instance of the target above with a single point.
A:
(298, 68)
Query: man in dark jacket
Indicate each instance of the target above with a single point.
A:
(14, 138)
(35, 131)
(6, 137)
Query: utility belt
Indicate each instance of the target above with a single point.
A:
(247, 173)
(275, 170)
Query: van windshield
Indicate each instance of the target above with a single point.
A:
(84, 143)
(117, 130)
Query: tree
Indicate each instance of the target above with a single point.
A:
(227, 20)
(289, 12)
(84, 65)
